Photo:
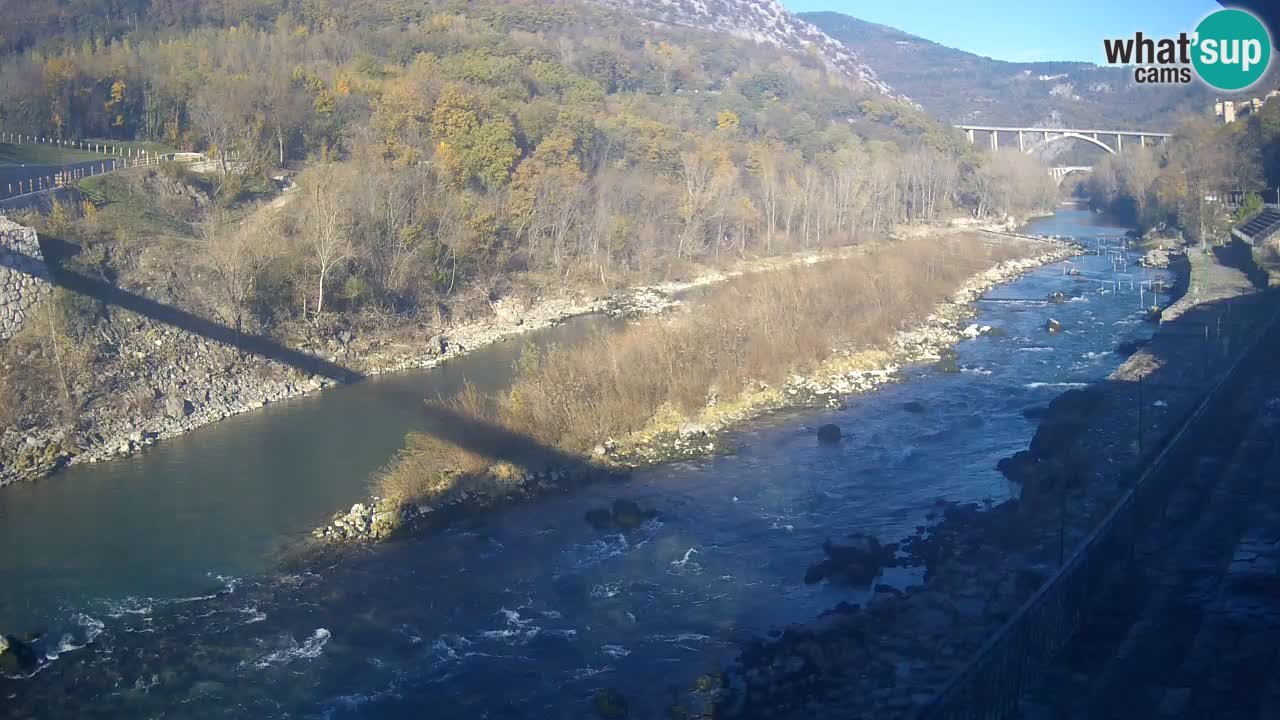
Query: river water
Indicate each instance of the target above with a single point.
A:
(156, 579)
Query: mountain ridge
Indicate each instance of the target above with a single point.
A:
(964, 87)
(761, 21)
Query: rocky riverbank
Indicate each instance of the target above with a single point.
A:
(163, 381)
(889, 656)
(851, 372)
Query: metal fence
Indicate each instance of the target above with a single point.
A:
(100, 147)
(70, 175)
(1016, 657)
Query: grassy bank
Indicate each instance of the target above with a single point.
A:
(724, 353)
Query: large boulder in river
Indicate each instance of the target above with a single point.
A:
(1053, 457)
(855, 563)
(624, 515)
(627, 515)
(1053, 326)
(948, 361)
(17, 657)
(828, 434)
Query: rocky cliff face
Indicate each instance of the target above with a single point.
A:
(24, 279)
(762, 21)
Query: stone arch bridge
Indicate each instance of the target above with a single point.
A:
(1060, 173)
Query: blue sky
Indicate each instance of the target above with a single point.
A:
(1022, 30)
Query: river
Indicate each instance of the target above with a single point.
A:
(156, 578)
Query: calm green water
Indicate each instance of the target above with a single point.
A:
(223, 500)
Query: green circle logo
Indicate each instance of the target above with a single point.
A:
(1232, 49)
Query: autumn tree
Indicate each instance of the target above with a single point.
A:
(470, 146)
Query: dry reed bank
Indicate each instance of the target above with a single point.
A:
(724, 352)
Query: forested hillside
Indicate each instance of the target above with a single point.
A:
(450, 154)
(504, 135)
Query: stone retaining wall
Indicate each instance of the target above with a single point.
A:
(24, 277)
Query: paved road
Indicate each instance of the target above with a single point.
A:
(11, 175)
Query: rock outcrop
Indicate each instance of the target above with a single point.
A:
(24, 277)
(624, 515)
(1156, 258)
(856, 563)
(16, 656)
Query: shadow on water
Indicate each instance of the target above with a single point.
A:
(472, 434)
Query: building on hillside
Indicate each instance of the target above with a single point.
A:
(1228, 111)
(1225, 111)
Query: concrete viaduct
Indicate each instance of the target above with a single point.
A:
(1032, 140)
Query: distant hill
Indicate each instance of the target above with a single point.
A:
(958, 86)
(761, 21)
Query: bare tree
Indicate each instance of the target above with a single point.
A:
(285, 107)
(703, 183)
(326, 228)
(216, 121)
(237, 254)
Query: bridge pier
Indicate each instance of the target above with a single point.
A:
(1021, 145)
(995, 139)
(1119, 143)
